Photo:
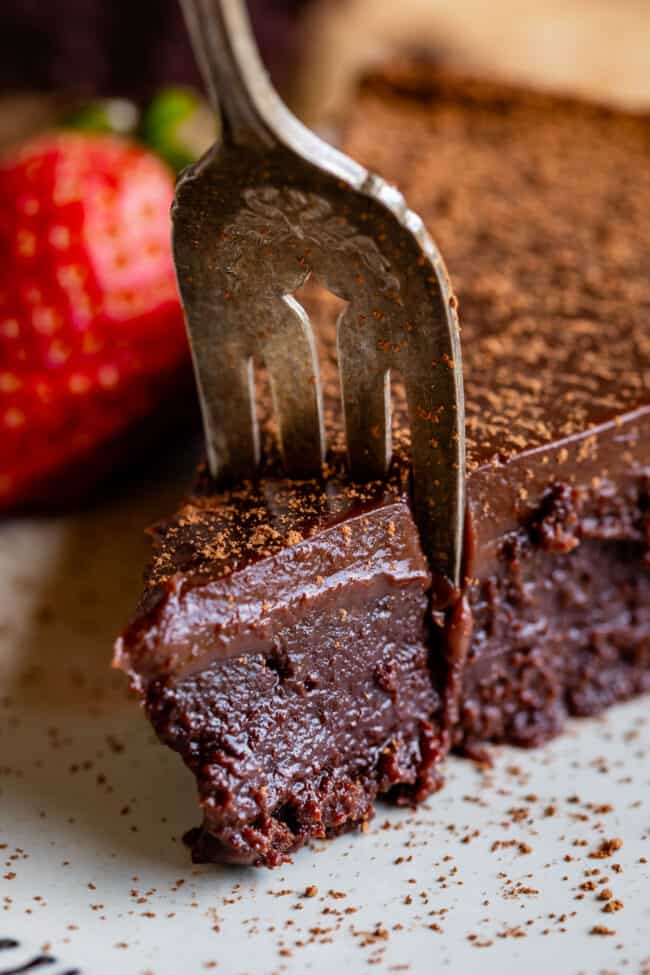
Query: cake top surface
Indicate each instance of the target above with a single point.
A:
(540, 207)
(217, 533)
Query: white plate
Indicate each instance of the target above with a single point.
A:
(92, 812)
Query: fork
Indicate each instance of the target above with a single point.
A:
(266, 207)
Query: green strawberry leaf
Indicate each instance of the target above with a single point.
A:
(179, 126)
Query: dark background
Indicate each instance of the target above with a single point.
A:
(126, 47)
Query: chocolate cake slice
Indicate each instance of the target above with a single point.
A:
(285, 644)
(281, 648)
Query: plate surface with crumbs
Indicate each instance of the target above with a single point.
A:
(541, 861)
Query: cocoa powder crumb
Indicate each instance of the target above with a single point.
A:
(606, 849)
(612, 906)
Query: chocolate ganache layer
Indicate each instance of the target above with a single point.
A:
(285, 643)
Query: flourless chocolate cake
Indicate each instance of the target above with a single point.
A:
(285, 645)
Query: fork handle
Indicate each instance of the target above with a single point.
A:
(233, 72)
(252, 112)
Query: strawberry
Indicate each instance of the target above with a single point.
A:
(92, 342)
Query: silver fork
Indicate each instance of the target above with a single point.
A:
(269, 205)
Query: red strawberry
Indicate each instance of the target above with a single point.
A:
(91, 331)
